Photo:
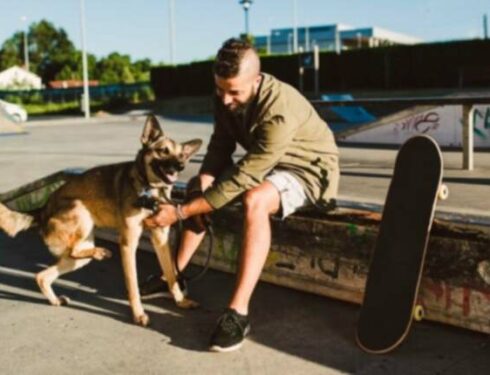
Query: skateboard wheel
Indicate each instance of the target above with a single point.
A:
(443, 192)
(418, 313)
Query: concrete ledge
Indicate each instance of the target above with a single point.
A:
(328, 254)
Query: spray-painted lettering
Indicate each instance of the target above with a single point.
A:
(421, 123)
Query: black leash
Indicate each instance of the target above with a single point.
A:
(145, 200)
(201, 273)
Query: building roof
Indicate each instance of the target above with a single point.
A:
(17, 77)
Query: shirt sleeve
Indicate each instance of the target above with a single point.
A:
(271, 140)
(220, 150)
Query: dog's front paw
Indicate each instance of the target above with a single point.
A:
(187, 304)
(100, 253)
(142, 320)
(60, 301)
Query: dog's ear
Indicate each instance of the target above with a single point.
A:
(152, 131)
(191, 147)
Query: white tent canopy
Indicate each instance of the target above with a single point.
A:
(17, 78)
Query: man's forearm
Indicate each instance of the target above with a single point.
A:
(197, 206)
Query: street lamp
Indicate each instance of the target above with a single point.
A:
(295, 26)
(246, 5)
(86, 99)
(26, 47)
(171, 29)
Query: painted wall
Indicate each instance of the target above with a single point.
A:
(444, 124)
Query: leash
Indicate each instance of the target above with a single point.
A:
(145, 200)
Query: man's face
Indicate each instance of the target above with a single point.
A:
(236, 93)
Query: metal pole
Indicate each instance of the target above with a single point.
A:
(307, 39)
(246, 5)
(295, 26)
(467, 137)
(338, 47)
(247, 26)
(171, 30)
(86, 98)
(316, 66)
(301, 70)
(26, 46)
(485, 27)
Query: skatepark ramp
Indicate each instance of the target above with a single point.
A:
(7, 126)
(453, 121)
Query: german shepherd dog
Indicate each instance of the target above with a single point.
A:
(106, 196)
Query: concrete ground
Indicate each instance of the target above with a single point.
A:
(292, 332)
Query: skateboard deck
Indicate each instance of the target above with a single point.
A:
(396, 264)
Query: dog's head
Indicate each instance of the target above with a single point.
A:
(161, 159)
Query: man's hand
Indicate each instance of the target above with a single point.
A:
(167, 213)
(165, 217)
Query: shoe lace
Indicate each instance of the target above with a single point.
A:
(229, 323)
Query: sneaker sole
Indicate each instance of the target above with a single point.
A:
(219, 349)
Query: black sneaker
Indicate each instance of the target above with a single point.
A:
(156, 286)
(230, 331)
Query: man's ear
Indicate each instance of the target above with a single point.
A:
(152, 131)
(191, 147)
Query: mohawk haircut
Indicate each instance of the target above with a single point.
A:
(230, 56)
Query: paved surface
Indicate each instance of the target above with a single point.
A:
(292, 332)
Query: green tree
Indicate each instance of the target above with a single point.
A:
(141, 70)
(53, 56)
(12, 51)
(50, 50)
(115, 68)
(73, 68)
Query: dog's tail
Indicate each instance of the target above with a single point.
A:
(12, 222)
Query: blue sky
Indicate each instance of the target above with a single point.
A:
(140, 27)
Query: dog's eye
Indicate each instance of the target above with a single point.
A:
(164, 151)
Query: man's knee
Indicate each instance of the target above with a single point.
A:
(263, 199)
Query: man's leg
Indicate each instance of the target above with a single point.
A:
(259, 203)
(189, 242)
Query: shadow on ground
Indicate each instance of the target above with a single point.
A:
(302, 325)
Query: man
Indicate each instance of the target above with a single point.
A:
(291, 162)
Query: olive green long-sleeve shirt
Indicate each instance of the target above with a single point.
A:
(279, 130)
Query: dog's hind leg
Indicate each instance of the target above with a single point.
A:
(80, 255)
(159, 238)
(45, 278)
(97, 253)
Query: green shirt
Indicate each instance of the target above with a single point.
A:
(280, 130)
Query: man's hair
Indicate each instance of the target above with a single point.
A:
(229, 57)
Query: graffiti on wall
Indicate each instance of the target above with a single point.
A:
(481, 122)
(442, 123)
(420, 123)
(429, 122)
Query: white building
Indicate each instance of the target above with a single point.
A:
(17, 78)
(335, 37)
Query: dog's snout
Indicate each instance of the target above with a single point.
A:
(176, 166)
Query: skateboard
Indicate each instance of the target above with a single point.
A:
(395, 271)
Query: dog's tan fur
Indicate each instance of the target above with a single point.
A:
(105, 197)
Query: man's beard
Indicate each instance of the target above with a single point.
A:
(241, 108)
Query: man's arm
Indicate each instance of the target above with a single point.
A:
(169, 214)
(272, 139)
(220, 149)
